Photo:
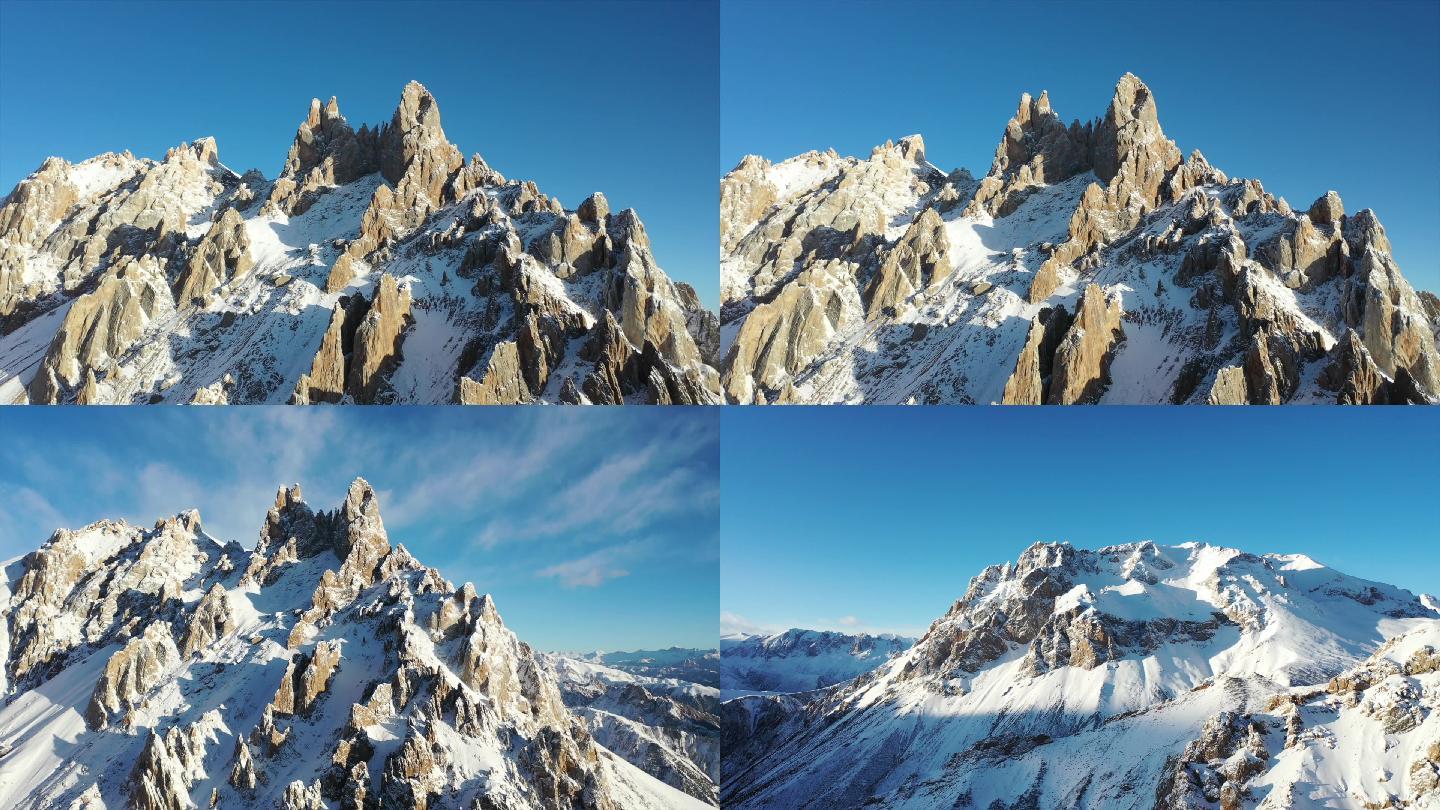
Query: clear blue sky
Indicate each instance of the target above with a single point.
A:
(877, 517)
(593, 530)
(577, 96)
(1304, 96)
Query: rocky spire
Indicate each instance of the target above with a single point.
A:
(414, 131)
(1036, 149)
(1131, 125)
(326, 152)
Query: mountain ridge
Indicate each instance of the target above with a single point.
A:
(1128, 676)
(800, 660)
(133, 280)
(160, 668)
(888, 280)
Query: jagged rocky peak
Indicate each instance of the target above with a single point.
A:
(415, 131)
(1131, 125)
(293, 531)
(863, 281)
(132, 281)
(327, 152)
(334, 670)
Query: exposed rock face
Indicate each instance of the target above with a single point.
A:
(1226, 293)
(794, 279)
(106, 581)
(170, 764)
(745, 193)
(1229, 388)
(130, 673)
(1066, 361)
(212, 619)
(502, 382)
(221, 256)
(778, 339)
(377, 340)
(306, 679)
(390, 217)
(71, 223)
(1215, 766)
(1029, 384)
(1037, 149)
(701, 323)
(919, 259)
(1082, 360)
(326, 153)
(382, 646)
(326, 380)
(101, 326)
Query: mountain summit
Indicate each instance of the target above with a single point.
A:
(1133, 676)
(380, 266)
(1092, 263)
(160, 668)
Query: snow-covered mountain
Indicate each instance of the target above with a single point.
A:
(685, 663)
(667, 727)
(162, 668)
(800, 660)
(379, 266)
(1135, 676)
(1091, 264)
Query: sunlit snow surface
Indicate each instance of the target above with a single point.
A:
(51, 757)
(263, 329)
(949, 344)
(1102, 737)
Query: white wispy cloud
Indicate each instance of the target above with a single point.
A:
(595, 568)
(735, 624)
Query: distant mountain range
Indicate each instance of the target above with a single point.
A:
(800, 660)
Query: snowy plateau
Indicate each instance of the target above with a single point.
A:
(160, 667)
(379, 267)
(1092, 264)
(1133, 676)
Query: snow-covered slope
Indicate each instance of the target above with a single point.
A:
(379, 267)
(1091, 264)
(667, 727)
(1135, 676)
(160, 668)
(800, 660)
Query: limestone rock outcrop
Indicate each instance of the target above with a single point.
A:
(101, 326)
(920, 258)
(780, 338)
(130, 673)
(745, 193)
(1082, 360)
(1029, 383)
(1226, 293)
(389, 226)
(1037, 149)
(306, 678)
(377, 340)
(212, 619)
(171, 764)
(326, 153)
(360, 348)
